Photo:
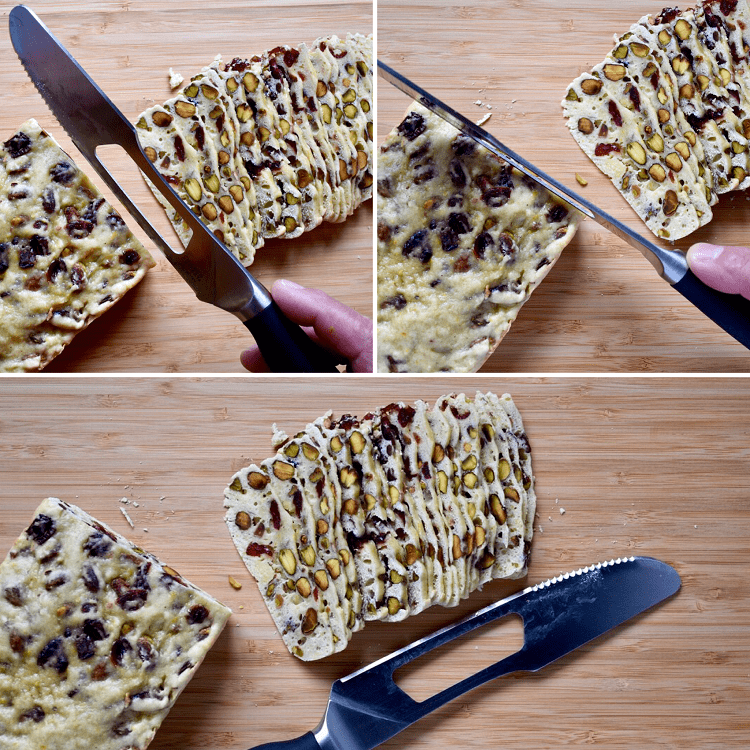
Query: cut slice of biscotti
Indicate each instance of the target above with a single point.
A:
(97, 637)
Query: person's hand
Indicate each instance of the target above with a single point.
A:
(726, 269)
(330, 323)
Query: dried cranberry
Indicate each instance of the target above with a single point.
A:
(200, 137)
(602, 149)
(635, 97)
(412, 126)
(290, 57)
(63, 172)
(727, 6)
(256, 550)
(53, 655)
(615, 113)
(18, 145)
(297, 502)
(667, 15)
(275, 514)
(42, 528)
(179, 148)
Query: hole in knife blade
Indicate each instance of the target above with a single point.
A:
(129, 177)
(454, 661)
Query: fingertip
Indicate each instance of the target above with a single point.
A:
(252, 360)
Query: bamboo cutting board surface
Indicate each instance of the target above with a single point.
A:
(602, 308)
(127, 47)
(638, 466)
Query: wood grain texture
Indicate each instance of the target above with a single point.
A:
(643, 466)
(602, 308)
(127, 47)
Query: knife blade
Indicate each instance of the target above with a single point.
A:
(216, 276)
(730, 312)
(559, 615)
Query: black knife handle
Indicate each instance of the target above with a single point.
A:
(305, 742)
(730, 311)
(285, 346)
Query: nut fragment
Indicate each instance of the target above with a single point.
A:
(234, 583)
(636, 152)
(680, 64)
(321, 578)
(193, 188)
(347, 476)
(614, 72)
(682, 28)
(242, 520)
(162, 119)
(286, 558)
(334, 568)
(591, 86)
(257, 480)
(582, 181)
(669, 206)
(184, 109)
(303, 586)
(673, 161)
(357, 442)
(283, 470)
(309, 621)
(308, 555)
(655, 143)
(657, 172)
(393, 605)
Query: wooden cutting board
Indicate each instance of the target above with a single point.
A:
(639, 466)
(127, 48)
(602, 308)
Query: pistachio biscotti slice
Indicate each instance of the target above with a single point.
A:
(97, 637)
(66, 255)
(463, 240)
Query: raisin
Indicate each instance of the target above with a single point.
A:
(4, 262)
(464, 145)
(79, 228)
(120, 648)
(26, 258)
(505, 244)
(602, 149)
(90, 212)
(418, 246)
(419, 153)
(55, 582)
(77, 276)
(196, 614)
(482, 243)
(84, 646)
(42, 528)
(448, 239)
(56, 267)
(97, 545)
(114, 221)
(200, 137)
(146, 652)
(35, 714)
(459, 223)
(18, 145)
(48, 200)
(412, 126)
(53, 655)
(398, 302)
(478, 321)
(496, 196)
(17, 643)
(17, 194)
(90, 579)
(94, 629)
(63, 172)
(384, 232)
(428, 174)
(13, 595)
(457, 174)
(615, 114)
(557, 213)
(297, 502)
(256, 550)
(132, 599)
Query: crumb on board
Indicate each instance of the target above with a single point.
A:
(175, 79)
(484, 119)
(127, 517)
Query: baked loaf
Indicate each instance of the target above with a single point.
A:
(463, 240)
(666, 116)
(66, 256)
(378, 518)
(269, 146)
(97, 637)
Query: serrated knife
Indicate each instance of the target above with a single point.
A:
(730, 312)
(367, 708)
(215, 275)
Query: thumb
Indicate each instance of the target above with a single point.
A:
(726, 269)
